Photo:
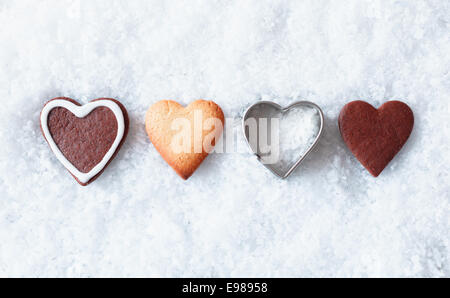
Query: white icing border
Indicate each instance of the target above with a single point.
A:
(81, 112)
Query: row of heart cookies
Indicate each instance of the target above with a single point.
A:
(85, 138)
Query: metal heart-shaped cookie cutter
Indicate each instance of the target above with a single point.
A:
(262, 109)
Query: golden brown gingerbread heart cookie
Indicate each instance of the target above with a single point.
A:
(184, 136)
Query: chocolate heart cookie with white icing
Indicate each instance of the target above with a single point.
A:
(85, 139)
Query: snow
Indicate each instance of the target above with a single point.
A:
(233, 217)
(299, 128)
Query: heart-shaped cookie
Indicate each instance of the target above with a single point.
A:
(86, 138)
(269, 111)
(184, 136)
(376, 136)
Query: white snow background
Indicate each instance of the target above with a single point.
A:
(233, 218)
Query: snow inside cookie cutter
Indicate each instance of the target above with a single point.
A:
(264, 109)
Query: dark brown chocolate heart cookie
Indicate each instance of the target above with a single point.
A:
(85, 139)
(376, 136)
